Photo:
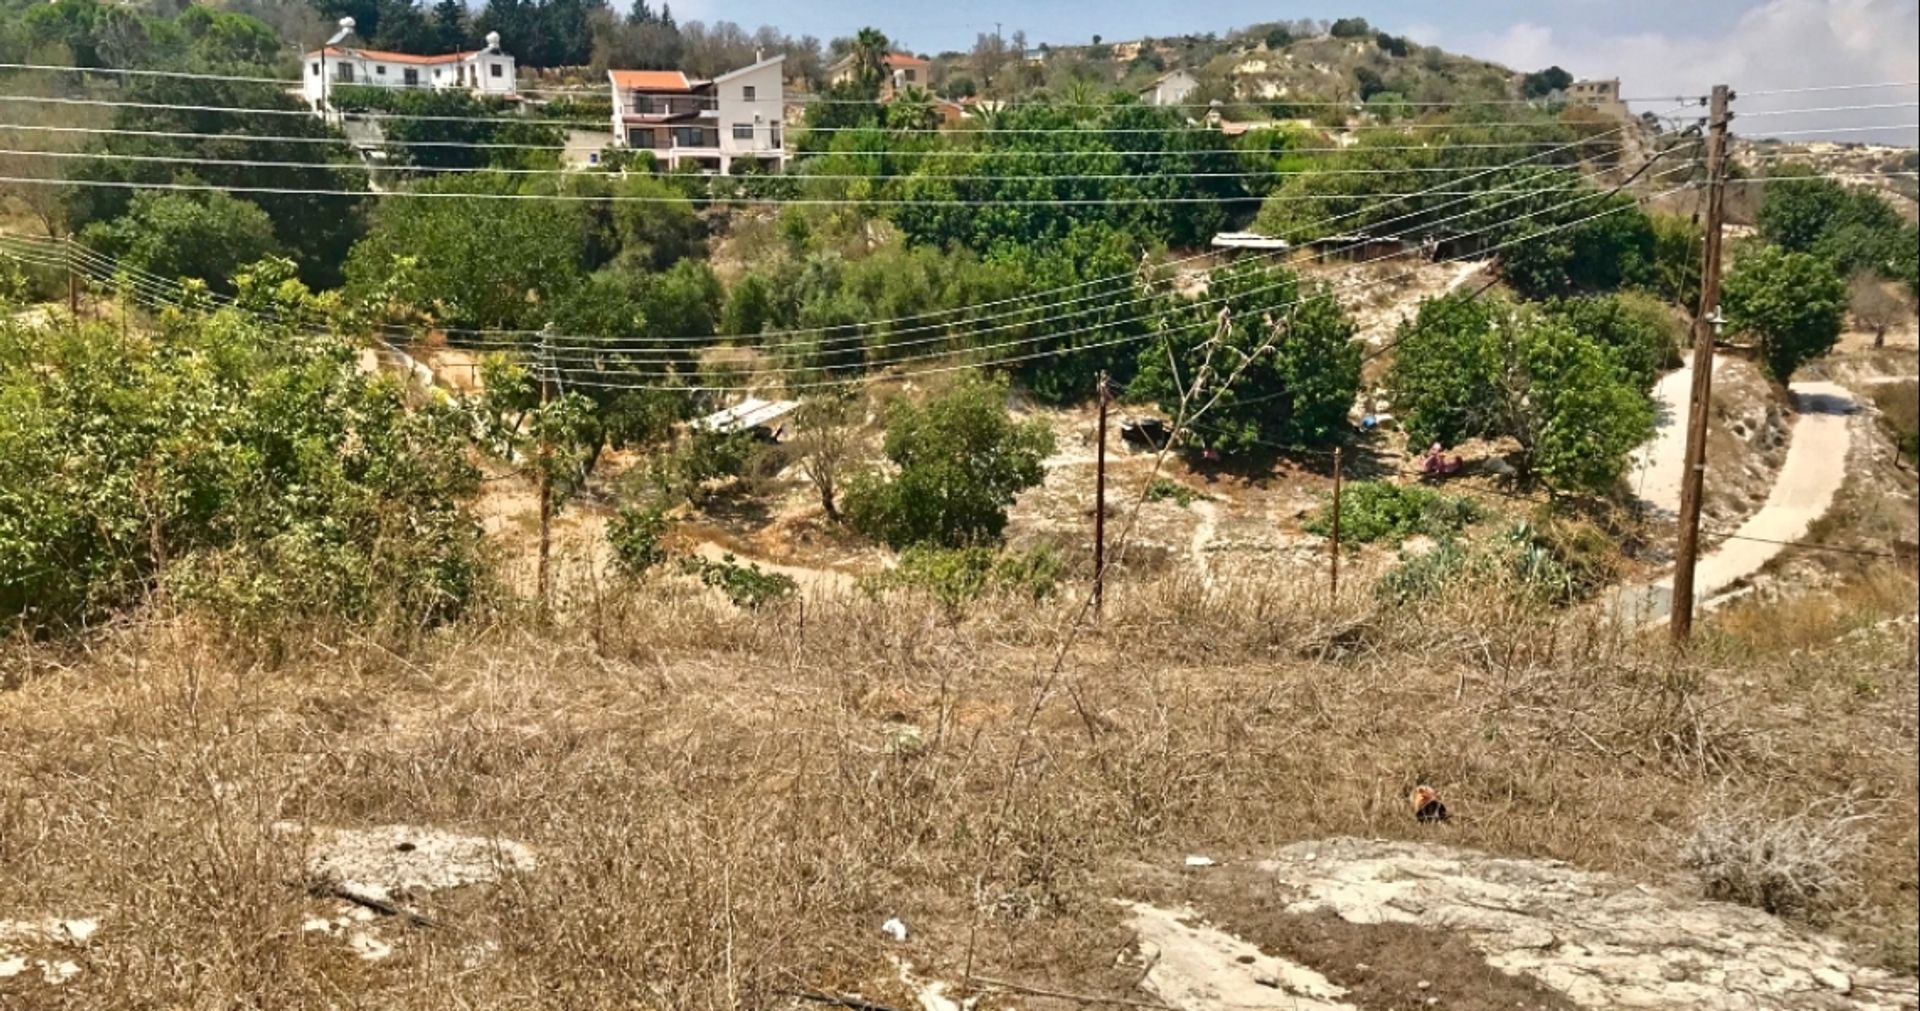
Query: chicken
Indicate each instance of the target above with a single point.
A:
(1427, 807)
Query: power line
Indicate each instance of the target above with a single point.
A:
(1331, 152)
(1828, 87)
(1829, 108)
(1120, 277)
(1057, 352)
(787, 178)
(593, 346)
(805, 99)
(1092, 130)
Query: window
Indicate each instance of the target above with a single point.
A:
(773, 137)
(315, 72)
(643, 104)
(690, 136)
(411, 77)
(494, 69)
(747, 93)
(345, 76)
(743, 131)
(908, 74)
(381, 70)
(640, 138)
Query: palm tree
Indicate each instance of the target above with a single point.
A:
(870, 50)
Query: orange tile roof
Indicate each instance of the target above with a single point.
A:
(649, 80)
(388, 57)
(904, 60)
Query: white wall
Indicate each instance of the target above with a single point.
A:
(768, 105)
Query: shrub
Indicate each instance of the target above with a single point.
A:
(1377, 510)
(961, 462)
(638, 539)
(1168, 490)
(1797, 865)
(245, 467)
(1899, 405)
(748, 586)
(958, 576)
(1418, 577)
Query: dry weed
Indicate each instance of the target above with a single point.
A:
(725, 810)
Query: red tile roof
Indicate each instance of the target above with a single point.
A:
(650, 80)
(904, 60)
(384, 56)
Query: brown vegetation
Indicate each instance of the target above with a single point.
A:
(727, 806)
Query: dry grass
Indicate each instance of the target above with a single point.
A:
(720, 817)
(1800, 864)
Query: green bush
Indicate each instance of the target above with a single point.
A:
(244, 467)
(637, 537)
(1168, 490)
(748, 586)
(960, 460)
(1423, 576)
(1377, 510)
(958, 576)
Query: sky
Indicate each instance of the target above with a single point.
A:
(1655, 47)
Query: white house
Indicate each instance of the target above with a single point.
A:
(484, 72)
(735, 117)
(1170, 88)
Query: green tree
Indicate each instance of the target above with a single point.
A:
(480, 262)
(244, 466)
(960, 460)
(1302, 366)
(1542, 83)
(208, 236)
(1551, 255)
(1464, 369)
(1444, 364)
(1793, 304)
(1642, 334)
(1565, 399)
(870, 51)
(1678, 259)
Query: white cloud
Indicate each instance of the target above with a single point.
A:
(1777, 44)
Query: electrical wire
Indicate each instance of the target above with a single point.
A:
(1830, 87)
(565, 372)
(1831, 108)
(1333, 151)
(597, 345)
(805, 99)
(786, 178)
(1032, 356)
(378, 117)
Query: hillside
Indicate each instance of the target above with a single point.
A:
(1306, 61)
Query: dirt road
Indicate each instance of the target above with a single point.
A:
(1816, 465)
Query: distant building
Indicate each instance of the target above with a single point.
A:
(486, 71)
(904, 70)
(1601, 96)
(735, 117)
(1170, 88)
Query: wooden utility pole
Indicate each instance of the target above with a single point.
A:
(544, 478)
(73, 284)
(1336, 522)
(1705, 324)
(1100, 500)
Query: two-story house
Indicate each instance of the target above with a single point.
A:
(709, 124)
(904, 71)
(483, 72)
